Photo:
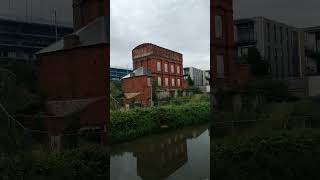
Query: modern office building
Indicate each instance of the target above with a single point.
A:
(20, 40)
(117, 73)
(312, 50)
(195, 74)
(277, 43)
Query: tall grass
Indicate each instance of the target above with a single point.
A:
(130, 124)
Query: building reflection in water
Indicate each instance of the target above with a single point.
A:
(160, 156)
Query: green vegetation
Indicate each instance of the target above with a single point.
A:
(90, 162)
(134, 123)
(287, 155)
(190, 81)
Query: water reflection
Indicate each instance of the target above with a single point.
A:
(183, 154)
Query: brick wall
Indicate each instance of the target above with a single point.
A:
(85, 11)
(80, 73)
(148, 55)
(137, 84)
(74, 74)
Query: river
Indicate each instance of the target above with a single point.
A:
(180, 154)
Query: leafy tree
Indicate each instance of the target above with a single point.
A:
(155, 88)
(258, 66)
(116, 91)
(190, 81)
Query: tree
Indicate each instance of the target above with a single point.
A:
(259, 67)
(155, 88)
(190, 81)
(116, 91)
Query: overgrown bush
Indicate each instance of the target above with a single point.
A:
(293, 155)
(90, 162)
(130, 124)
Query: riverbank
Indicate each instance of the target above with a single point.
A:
(283, 155)
(131, 124)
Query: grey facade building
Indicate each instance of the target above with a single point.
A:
(277, 43)
(312, 50)
(195, 74)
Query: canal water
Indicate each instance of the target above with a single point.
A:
(181, 154)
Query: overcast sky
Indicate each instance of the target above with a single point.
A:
(180, 25)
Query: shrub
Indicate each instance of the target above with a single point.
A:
(90, 162)
(288, 155)
(130, 124)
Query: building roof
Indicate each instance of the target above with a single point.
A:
(142, 71)
(250, 19)
(150, 44)
(96, 32)
(312, 29)
(34, 20)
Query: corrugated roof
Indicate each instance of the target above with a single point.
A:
(142, 71)
(96, 32)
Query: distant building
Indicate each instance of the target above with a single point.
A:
(165, 74)
(165, 65)
(195, 74)
(277, 43)
(20, 40)
(117, 73)
(206, 81)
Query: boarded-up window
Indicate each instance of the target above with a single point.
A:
(218, 23)
(220, 66)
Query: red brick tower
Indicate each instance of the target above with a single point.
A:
(165, 65)
(223, 65)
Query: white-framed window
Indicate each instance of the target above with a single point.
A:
(158, 66)
(218, 23)
(165, 67)
(159, 81)
(178, 83)
(166, 81)
(220, 66)
(178, 69)
(172, 68)
(12, 54)
(173, 82)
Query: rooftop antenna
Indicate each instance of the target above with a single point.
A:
(31, 10)
(55, 23)
(26, 10)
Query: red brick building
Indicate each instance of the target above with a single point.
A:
(165, 65)
(153, 63)
(224, 68)
(73, 72)
(137, 87)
